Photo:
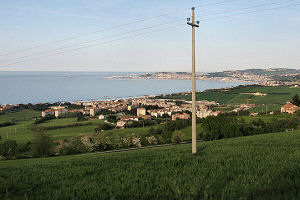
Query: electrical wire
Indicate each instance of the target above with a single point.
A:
(140, 34)
(138, 30)
(112, 28)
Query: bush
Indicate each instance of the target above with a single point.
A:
(103, 142)
(104, 127)
(44, 119)
(7, 124)
(25, 148)
(152, 140)
(9, 149)
(177, 137)
(73, 146)
(43, 145)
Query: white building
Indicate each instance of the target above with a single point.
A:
(204, 113)
(141, 111)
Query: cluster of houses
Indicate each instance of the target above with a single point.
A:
(5, 107)
(165, 108)
(55, 110)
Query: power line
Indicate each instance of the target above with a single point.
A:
(140, 34)
(138, 30)
(81, 43)
(128, 37)
(112, 28)
(246, 8)
(254, 11)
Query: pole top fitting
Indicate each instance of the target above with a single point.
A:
(193, 8)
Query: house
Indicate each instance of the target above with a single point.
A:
(180, 116)
(289, 108)
(203, 113)
(47, 112)
(93, 111)
(130, 118)
(254, 114)
(101, 117)
(129, 108)
(145, 117)
(141, 111)
(60, 111)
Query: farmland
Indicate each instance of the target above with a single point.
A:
(254, 167)
(24, 115)
(22, 134)
(276, 96)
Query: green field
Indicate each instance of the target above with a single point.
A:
(22, 134)
(255, 167)
(24, 115)
(276, 96)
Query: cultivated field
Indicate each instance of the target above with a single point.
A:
(255, 167)
(276, 96)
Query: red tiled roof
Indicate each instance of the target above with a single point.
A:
(288, 105)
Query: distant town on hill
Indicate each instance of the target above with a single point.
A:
(270, 75)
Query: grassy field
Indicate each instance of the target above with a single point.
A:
(22, 134)
(275, 97)
(23, 115)
(255, 167)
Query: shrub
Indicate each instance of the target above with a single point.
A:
(152, 140)
(44, 119)
(177, 137)
(104, 127)
(9, 149)
(7, 124)
(135, 141)
(73, 146)
(124, 141)
(43, 145)
(25, 148)
(103, 142)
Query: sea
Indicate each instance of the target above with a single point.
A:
(48, 87)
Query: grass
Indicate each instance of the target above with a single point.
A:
(255, 167)
(22, 134)
(275, 95)
(23, 115)
(188, 132)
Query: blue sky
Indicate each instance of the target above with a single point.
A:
(256, 40)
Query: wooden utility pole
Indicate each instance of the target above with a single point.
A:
(194, 125)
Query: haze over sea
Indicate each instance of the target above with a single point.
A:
(42, 87)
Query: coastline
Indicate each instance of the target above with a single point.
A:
(41, 87)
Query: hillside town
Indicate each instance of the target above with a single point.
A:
(267, 77)
(136, 109)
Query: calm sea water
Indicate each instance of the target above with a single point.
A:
(35, 87)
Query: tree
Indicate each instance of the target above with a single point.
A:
(112, 118)
(43, 145)
(80, 116)
(296, 100)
